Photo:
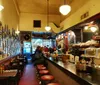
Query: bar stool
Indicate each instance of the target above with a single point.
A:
(38, 68)
(41, 68)
(45, 79)
(53, 84)
(40, 65)
(43, 72)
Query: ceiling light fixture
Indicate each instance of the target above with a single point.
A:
(64, 9)
(93, 28)
(1, 7)
(47, 28)
(86, 28)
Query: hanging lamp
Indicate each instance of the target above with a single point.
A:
(1, 7)
(64, 9)
(47, 28)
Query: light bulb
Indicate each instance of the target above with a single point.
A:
(1, 7)
(86, 27)
(65, 9)
(17, 31)
(93, 28)
(48, 28)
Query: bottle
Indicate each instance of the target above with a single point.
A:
(1, 69)
(76, 59)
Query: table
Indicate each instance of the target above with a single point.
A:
(9, 76)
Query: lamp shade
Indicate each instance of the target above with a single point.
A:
(86, 27)
(47, 28)
(1, 7)
(93, 29)
(65, 9)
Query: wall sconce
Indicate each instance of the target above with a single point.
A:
(1, 7)
(17, 31)
(64, 9)
(47, 28)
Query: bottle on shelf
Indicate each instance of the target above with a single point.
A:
(1, 68)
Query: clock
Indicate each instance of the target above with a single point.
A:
(27, 36)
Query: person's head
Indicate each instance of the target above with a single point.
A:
(38, 47)
(41, 49)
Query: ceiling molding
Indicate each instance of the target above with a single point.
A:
(16, 6)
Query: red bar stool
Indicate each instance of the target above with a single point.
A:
(40, 65)
(45, 79)
(43, 72)
(53, 84)
(38, 68)
(41, 68)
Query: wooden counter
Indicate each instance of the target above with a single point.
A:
(6, 61)
(66, 74)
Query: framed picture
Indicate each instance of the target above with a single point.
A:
(37, 23)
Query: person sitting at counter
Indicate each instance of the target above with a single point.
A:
(39, 56)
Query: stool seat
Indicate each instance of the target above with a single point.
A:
(47, 77)
(40, 65)
(44, 71)
(53, 84)
(41, 68)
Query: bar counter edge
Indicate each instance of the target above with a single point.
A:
(79, 80)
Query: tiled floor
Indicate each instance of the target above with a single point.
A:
(29, 76)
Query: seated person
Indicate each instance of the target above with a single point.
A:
(39, 56)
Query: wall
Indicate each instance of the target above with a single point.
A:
(92, 6)
(26, 21)
(9, 16)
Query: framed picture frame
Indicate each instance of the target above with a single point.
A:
(36, 23)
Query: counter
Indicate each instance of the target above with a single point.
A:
(66, 74)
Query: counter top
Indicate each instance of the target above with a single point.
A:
(88, 78)
(7, 58)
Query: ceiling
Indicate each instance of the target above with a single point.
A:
(40, 6)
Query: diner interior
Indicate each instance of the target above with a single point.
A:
(49, 42)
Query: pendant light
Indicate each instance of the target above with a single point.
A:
(47, 28)
(1, 7)
(93, 28)
(64, 9)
